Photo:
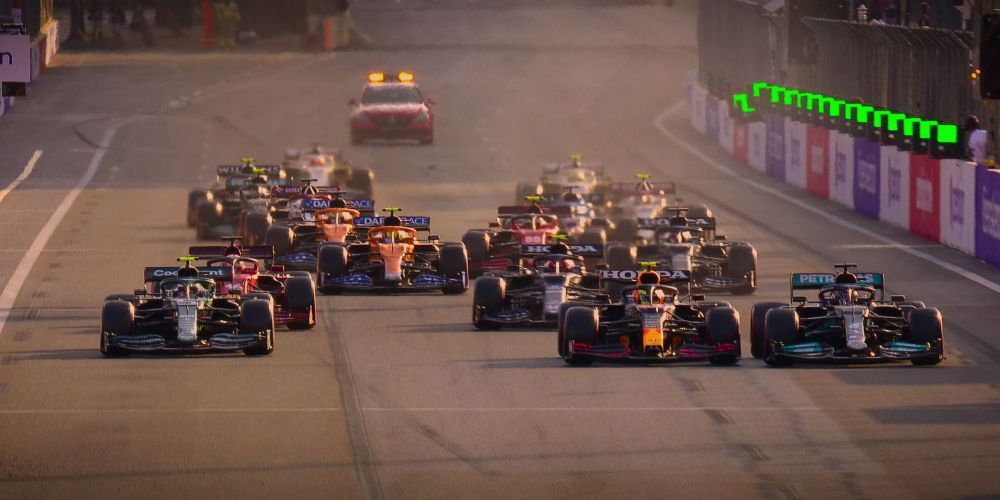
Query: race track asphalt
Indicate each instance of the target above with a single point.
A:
(398, 397)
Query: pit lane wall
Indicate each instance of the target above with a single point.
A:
(953, 202)
(43, 49)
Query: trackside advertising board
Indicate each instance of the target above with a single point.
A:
(867, 159)
(698, 98)
(795, 153)
(15, 58)
(756, 145)
(925, 197)
(894, 203)
(842, 168)
(741, 142)
(958, 205)
(988, 214)
(725, 127)
(775, 148)
(712, 118)
(818, 161)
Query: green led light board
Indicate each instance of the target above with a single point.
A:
(946, 133)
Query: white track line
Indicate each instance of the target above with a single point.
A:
(20, 276)
(687, 409)
(658, 122)
(24, 174)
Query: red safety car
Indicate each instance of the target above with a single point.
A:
(392, 107)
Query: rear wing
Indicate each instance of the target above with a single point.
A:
(630, 275)
(628, 188)
(581, 250)
(265, 252)
(290, 190)
(595, 198)
(704, 223)
(241, 182)
(553, 168)
(815, 281)
(561, 211)
(418, 222)
(227, 170)
(156, 274)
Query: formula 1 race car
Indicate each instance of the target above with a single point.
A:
(650, 323)
(525, 228)
(557, 178)
(850, 323)
(330, 168)
(392, 259)
(681, 243)
(532, 296)
(184, 311)
(240, 190)
(392, 107)
(296, 238)
(293, 294)
(627, 202)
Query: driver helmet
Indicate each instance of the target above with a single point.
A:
(338, 203)
(560, 248)
(648, 278)
(678, 220)
(536, 209)
(573, 198)
(317, 161)
(393, 220)
(316, 149)
(846, 278)
(187, 272)
(232, 250)
(845, 297)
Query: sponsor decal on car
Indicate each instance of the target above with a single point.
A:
(632, 275)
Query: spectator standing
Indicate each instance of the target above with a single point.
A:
(975, 140)
(96, 17)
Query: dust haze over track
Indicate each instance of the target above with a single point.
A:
(398, 396)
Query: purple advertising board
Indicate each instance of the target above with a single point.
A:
(712, 118)
(867, 159)
(988, 215)
(775, 149)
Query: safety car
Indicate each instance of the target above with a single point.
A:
(392, 106)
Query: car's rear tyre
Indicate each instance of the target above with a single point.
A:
(127, 297)
(117, 318)
(743, 265)
(257, 316)
(594, 236)
(453, 263)
(582, 325)
(208, 213)
(300, 295)
(281, 238)
(255, 227)
(363, 180)
(926, 326)
(780, 325)
(477, 244)
(561, 326)
(331, 260)
(621, 257)
(259, 296)
(625, 230)
(488, 298)
(723, 324)
(194, 198)
(758, 313)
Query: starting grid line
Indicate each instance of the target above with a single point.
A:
(648, 409)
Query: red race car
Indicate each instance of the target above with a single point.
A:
(392, 107)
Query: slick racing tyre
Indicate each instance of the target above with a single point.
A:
(625, 230)
(208, 215)
(926, 326)
(758, 312)
(477, 244)
(300, 296)
(581, 326)
(723, 324)
(780, 325)
(194, 198)
(117, 318)
(127, 297)
(743, 266)
(281, 238)
(488, 298)
(256, 225)
(594, 236)
(561, 326)
(363, 180)
(259, 296)
(331, 261)
(699, 212)
(453, 263)
(256, 316)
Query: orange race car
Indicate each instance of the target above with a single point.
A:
(392, 259)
